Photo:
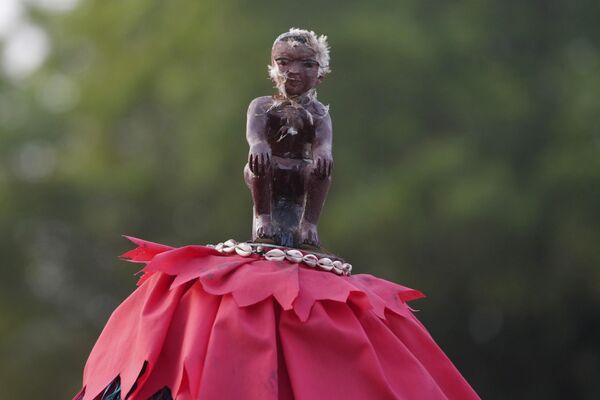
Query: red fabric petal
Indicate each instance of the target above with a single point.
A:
(134, 334)
(255, 282)
(145, 251)
(182, 354)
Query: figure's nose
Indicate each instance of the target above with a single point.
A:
(294, 68)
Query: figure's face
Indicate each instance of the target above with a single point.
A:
(298, 67)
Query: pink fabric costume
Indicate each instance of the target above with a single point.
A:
(211, 326)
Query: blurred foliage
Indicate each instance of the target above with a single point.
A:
(467, 138)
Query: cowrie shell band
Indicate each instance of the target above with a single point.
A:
(295, 256)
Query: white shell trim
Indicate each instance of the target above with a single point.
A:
(275, 255)
(292, 255)
(243, 249)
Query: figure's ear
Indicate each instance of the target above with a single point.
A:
(273, 72)
(320, 79)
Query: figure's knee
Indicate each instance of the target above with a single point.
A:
(247, 173)
(314, 175)
(252, 178)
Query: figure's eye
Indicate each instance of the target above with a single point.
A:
(310, 64)
(282, 62)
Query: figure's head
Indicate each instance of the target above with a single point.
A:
(299, 61)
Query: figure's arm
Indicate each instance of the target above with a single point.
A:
(259, 157)
(322, 154)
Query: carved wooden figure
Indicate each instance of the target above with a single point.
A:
(290, 137)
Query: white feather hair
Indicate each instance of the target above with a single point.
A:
(316, 42)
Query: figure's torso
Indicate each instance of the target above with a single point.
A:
(291, 128)
(290, 132)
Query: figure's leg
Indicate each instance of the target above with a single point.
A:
(316, 193)
(260, 187)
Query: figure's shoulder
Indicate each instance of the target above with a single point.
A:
(320, 113)
(260, 105)
(319, 110)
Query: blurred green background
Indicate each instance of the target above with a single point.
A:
(467, 148)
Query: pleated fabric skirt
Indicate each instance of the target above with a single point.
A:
(205, 325)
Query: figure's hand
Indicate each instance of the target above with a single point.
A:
(259, 159)
(323, 164)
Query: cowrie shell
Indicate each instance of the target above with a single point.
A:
(230, 243)
(294, 256)
(275, 255)
(243, 249)
(219, 247)
(229, 246)
(337, 267)
(325, 263)
(310, 259)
